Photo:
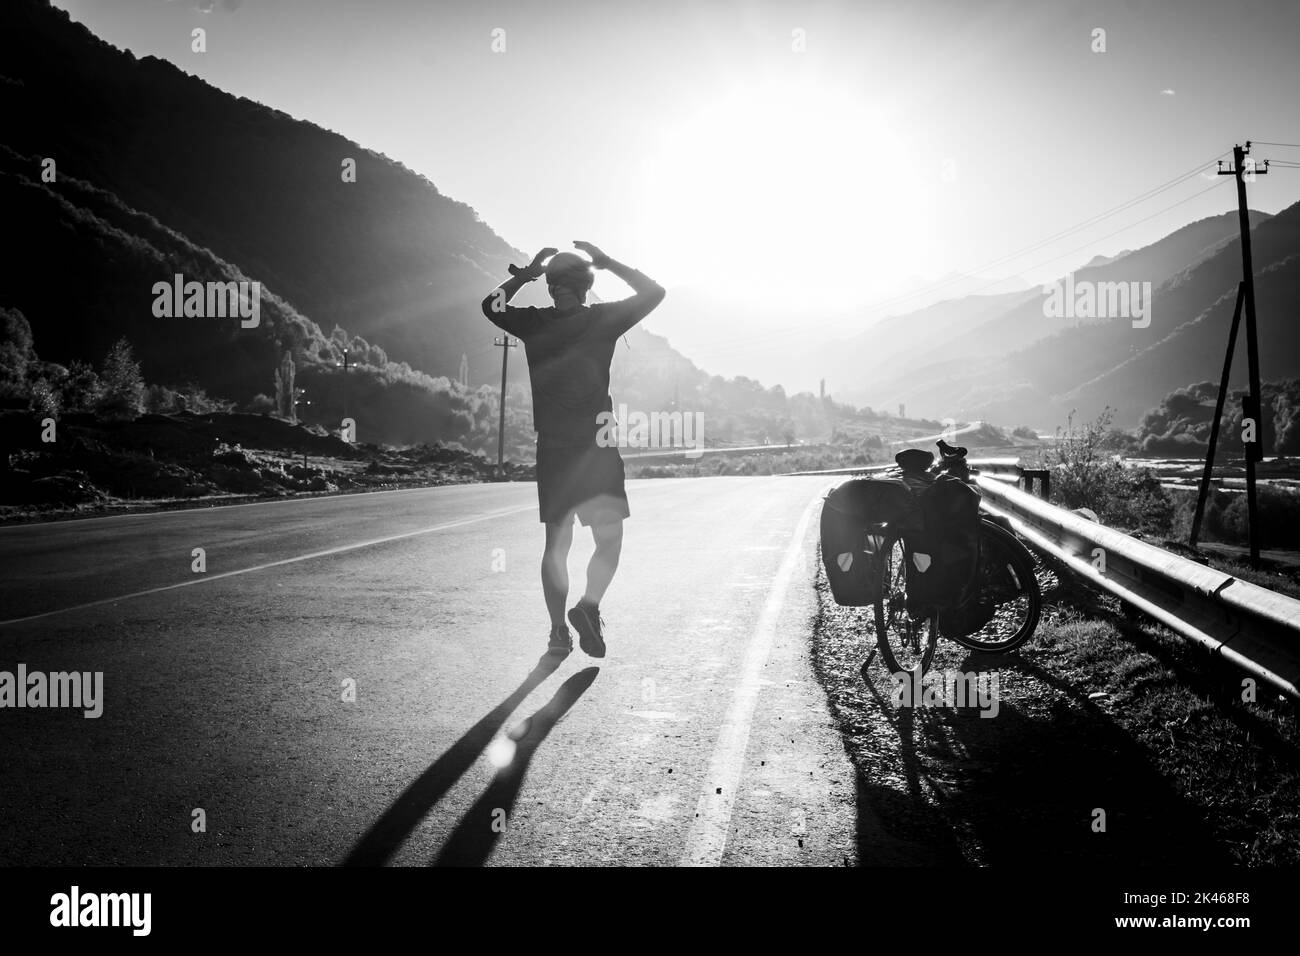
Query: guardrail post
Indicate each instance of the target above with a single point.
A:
(1029, 475)
(1249, 626)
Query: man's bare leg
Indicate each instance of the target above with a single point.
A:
(555, 569)
(600, 571)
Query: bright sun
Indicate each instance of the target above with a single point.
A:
(794, 193)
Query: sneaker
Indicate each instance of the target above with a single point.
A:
(587, 621)
(561, 641)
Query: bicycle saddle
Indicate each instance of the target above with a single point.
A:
(949, 451)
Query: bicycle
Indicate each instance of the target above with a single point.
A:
(1002, 576)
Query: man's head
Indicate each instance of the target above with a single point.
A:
(569, 276)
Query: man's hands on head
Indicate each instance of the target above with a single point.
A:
(536, 268)
(598, 258)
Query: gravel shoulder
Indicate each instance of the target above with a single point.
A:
(1098, 712)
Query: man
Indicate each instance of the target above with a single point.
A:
(570, 346)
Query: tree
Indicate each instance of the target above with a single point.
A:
(285, 397)
(123, 384)
(81, 388)
(16, 352)
(44, 398)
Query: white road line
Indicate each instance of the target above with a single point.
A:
(206, 509)
(649, 483)
(708, 834)
(275, 564)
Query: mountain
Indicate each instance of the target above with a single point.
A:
(387, 257)
(1100, 260)
(956, 285)
(1006, 360)
(1193, 315)
(862, 363)
(117, 173)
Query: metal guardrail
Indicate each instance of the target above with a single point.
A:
(694, 454)
(1003, 469)
(1251, 627)
(1256, 629)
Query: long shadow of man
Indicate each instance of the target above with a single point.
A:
(476, 835)
(404, 815)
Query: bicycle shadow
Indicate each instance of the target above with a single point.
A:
(897, 802)
(1023, 786)
(401, 818)
(474, 838)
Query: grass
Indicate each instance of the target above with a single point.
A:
(1284, 581)
(1097, 711)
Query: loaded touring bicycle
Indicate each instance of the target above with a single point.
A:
(918, 551)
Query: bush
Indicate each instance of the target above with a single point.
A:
(81, 388)
(261, 405)
(1084, 476)
(1278, 518)
(159, 400)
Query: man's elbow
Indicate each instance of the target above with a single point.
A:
(656, 295)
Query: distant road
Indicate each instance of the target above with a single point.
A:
(643, 457)
(927, 439)
(223, 690)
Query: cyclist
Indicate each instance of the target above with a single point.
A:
(569, 347)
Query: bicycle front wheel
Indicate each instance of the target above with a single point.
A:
(904, 643)
(1006, 579)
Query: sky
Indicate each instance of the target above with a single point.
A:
(788, 171)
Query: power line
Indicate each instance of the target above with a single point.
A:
(1142, 197)
(1032, 247)
(761, 344)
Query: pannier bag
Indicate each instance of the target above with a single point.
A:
(850, 552)
(942, 557)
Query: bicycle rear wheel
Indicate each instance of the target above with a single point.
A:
(1006, 578)
(904, 643)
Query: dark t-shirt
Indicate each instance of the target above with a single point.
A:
(569, 354)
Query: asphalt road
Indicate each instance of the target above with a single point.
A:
(702, 738)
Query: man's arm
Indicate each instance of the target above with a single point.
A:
(496, 305)
(625, 313)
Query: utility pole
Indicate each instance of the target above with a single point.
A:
(299, 399)
(505, 343)
(344, 365)
(1252, 405)
(1204, 490)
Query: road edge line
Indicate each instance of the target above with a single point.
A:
(706, 841)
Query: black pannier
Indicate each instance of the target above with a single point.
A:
(943, 555)
(849, 550)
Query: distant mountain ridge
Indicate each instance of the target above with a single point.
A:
(156, 172)
(1001, 358)
(387, 257)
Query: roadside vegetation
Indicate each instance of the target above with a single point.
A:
(1088, 470)
(1098, 710)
